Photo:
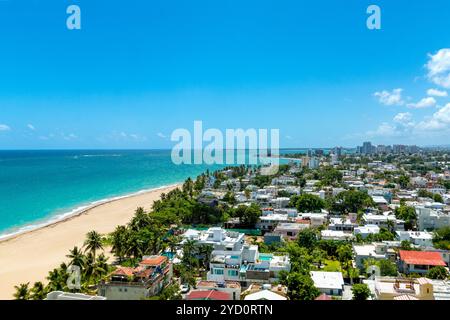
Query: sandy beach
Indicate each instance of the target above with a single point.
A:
(29, 257)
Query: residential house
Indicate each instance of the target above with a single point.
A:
(376, 250)
(233, 288)
(330, 283)
(419, 261)
(147, 279)
(418, 238)
(389, 288)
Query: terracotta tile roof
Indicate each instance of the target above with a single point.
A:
(124, 271)
(153, 261)
(208, 295)
(427, 258)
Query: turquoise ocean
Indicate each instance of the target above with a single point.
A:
(39, 187)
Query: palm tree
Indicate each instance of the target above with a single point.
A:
(172, 242)
(118, 241)
(205, 251)
(140, 220)
(56, 282)
(22, 291)
(38, 291)
(100, 267)
(77, 257)
(93, 242)
(89, 265)
(189, 254)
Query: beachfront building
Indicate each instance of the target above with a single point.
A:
(246, 265)
(146, 280)
(218, 238)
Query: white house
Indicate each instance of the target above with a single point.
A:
(418, 238)
(366, 230)
(429, 219)
(377, 251)
(330, 283)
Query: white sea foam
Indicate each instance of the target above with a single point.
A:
(74, 212)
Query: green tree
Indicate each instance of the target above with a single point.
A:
(441, 238)
(406, 245)
(351, 201)
(22, 291)
(171, 292)
(360, 291)
(76, 257)
(438, 272)
(403, 181)
(251, 215)
(309, 203)
(387, 268)
(438, 198)
(38, 291)
(307, 238)
(407, 214)
(300, 286)
(118, 242)
(93, 242)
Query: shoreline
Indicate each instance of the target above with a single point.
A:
(30, 255)
(78, 211)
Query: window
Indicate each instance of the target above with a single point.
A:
(218, 271)
(232, 273)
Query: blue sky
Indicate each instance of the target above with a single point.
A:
(137, 70)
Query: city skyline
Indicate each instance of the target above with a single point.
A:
(135, 73)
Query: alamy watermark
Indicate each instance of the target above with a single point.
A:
(235, 147)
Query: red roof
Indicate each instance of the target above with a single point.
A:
(323, 296)
(153, 261)
(208, 295)
(427, 258)
(124, 271)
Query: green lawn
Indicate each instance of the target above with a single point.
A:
(332, 266)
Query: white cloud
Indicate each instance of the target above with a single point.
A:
(439, 68)
(403, 118)
(437, 93)
(31, 127)
(4, 127)
(289, 137)
(383, 130)
(439, 120)
(161, 135)
(390, 98)
(424, 103)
